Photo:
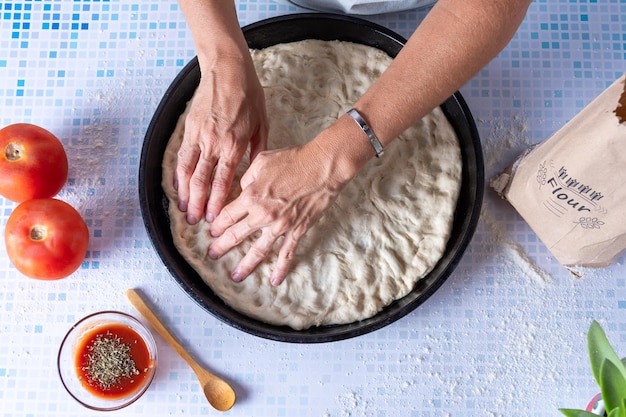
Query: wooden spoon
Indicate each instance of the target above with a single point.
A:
(217, 391)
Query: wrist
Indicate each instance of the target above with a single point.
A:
(367, 130)
(347, 147)
(222, 49)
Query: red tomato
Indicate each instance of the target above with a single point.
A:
(33, 163)
(46, 238)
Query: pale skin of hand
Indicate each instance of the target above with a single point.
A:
(286, 191)
(313, 186)
(226, 115)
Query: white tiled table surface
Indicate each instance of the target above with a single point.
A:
(504, 335)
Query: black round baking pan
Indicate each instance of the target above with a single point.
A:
(263, 34)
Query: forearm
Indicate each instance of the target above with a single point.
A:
(455, 40)
(215, 29)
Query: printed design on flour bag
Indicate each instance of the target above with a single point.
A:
(590, 223)
(567, 193)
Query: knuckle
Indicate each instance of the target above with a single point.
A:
(297, 233)
(232, 236)
(185, 153)
(288, 250)
(183, 169)
(272, 215)
(207, 157)
(220, 185)
(288, 255)
(199, 181)
(226, 215)
(230, 160)
(258, 252)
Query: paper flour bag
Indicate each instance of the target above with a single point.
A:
(571, 188)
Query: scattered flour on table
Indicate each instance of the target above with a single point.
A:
(352, 405)
(504, 142)
(512, 253)
(501, 146)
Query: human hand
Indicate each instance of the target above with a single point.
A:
(284, 192)
(227, 114)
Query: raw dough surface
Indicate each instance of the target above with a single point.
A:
(386, 230)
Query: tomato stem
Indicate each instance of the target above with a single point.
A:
(38, 233)
(13, 152)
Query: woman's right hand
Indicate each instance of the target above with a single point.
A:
(227, 113)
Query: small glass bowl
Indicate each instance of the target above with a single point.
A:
(68, 368)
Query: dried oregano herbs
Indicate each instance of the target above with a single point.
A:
(108, 360)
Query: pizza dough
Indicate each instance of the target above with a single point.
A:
(386, 230)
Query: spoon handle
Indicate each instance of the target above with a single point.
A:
(141, 306)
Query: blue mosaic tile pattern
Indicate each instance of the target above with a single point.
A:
(504, 336)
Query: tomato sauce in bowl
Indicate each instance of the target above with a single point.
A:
(112, 361)
(107, 360)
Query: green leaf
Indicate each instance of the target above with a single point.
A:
(568, 412)
(616, 412)
(600, 350)
(613, 386)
